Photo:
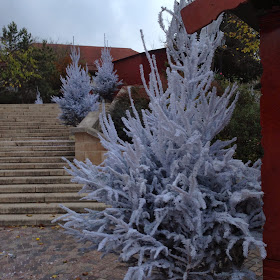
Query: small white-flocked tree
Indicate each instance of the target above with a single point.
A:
(106, 81)
(39, 99)
(77, 100)
(181, 207)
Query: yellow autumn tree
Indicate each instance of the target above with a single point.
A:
(238, 58)
(248, 38)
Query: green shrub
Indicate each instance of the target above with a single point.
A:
(245, 125)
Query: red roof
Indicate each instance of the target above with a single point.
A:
(90, 54)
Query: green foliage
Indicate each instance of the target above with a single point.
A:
(47, 84)
(19, 68)
(245, 125)
(15, 40)
(238, 61)
(24, 67)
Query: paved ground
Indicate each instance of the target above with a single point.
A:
(43, 253)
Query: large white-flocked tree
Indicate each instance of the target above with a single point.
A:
(181, 207)
(76, 101)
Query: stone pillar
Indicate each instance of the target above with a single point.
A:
(270, 121)
(88, 146)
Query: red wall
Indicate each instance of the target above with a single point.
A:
(128, 68)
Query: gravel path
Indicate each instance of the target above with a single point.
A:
(43, 253)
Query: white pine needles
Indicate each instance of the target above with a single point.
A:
(38, 100)
(181, 206)
(76, 101)
(106, 81)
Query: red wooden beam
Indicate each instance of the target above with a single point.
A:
(270, 121)
(202, 12)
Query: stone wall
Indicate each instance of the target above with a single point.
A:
(88, 146)
(87, 142)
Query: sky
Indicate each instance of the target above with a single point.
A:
(58, 21)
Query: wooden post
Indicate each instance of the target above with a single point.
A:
(195, 16)
(202, 12)
(270, 121)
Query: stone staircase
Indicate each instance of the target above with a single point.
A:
(33, 181)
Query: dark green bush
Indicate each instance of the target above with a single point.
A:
(245, 125)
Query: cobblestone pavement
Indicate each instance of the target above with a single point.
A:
(43, 253)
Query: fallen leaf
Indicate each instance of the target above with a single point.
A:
(18, 236)
(54, 276)
(29, 215)
(37, 238)
(41, 243)
(85, 273)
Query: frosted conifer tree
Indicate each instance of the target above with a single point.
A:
(181, 206)
(76, 101)
(106, 81)
(38, 100)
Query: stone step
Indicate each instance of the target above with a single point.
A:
(39, 107)
(33, 125)
(34, 159)
(35, 180)
(21, 122)
(36, 153)
(47, 208)
(25, 112)
(50, 109)
(17, 121)
(28, 106)
(40, 188)
(53, 134)
(29, 118)
(13, 130)
(33, 172)
(28, 220)
(50, 142)
(39, 197)
(37, 148)
(29, 110)
(50, 112)
(20, 166)
(53, 112)
(27, 138)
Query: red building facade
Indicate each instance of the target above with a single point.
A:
(128, 68)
